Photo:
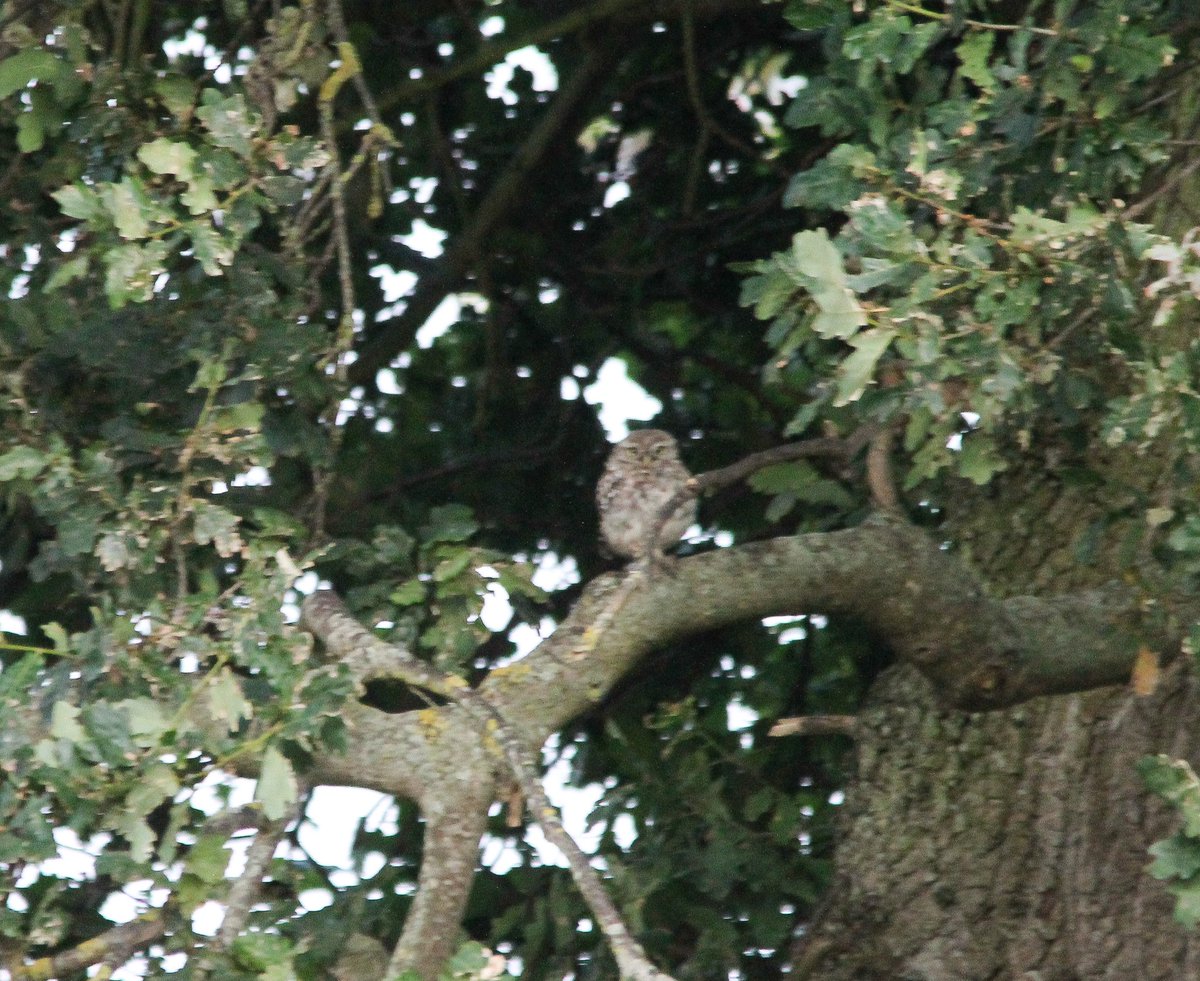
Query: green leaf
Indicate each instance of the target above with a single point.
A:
(177, 94)
(858, 368)
(69, 271)
(113, 551)
(58, 636)
(816, 258)
(226, 701)
(1176, 782)
(213, 523)
(29, 66)
(31, 131)
(468, 959)
(156, 784)
(875, 273)
(832, 182)
(449, 523)
(452, 567)
(228, 121)
(408, 593)
(1187, 902)
(516, 581)
(163, 156)
(200, 197)
(213, 250)
(890, 40)
(815, 264)
(128, 207)
(798, 480)
(132, 272)
(22, 462)
(825, 104)
(283, 189)
(1177, 857)
(768, 293)
(1165, 776)
(146, 720)
(277, 789)
(974, 54)
(79, 201)
(136, 831)
(119, 865)
(244, 417)
(64, 723)
(780, 478)
(811, 15)
(208, 859)
(17, 677)
(76, 533)
(275, 523)
(758, 803)
(780, 506)
(210, 375)
(261, 951)
(979, 459)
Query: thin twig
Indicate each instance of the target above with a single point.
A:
(834, 446)
(337, 19)
(1169, 186)
(708, 125)
(344, 339)
(815, 725)
(913, 8)
(245, 890)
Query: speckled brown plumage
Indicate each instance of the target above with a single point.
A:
(643, 471)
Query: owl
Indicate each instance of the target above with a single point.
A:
(642, 473)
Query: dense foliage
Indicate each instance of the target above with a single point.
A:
(967, 221)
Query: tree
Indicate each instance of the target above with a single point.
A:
(913, 283)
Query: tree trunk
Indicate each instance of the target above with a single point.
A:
(1012, 845)
(1006, 845)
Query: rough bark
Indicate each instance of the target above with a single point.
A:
(1012, 845)
(1006, 845)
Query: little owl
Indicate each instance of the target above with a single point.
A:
(642, 473)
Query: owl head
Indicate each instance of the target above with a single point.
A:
(647, 446)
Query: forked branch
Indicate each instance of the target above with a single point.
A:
(327, 617)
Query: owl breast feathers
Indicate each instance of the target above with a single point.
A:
(642, 473)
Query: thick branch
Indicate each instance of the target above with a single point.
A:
(365, 655)
(921, 600)
(816, 725)
(113, 946)
(979, 652)
(448, 858)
